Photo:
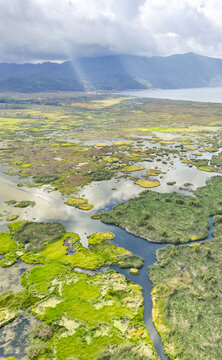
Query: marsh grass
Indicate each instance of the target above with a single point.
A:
(38, 235)
(187, 299)
(24, 204)
(7, 244)
(184, 218)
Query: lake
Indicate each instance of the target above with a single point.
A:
(206, 94)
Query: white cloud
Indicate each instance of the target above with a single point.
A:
(61, 29)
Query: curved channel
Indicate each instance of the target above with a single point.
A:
(147, 250)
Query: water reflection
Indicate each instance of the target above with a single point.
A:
(103, 195)
(206, 94)
(14, 338)
(11, 276)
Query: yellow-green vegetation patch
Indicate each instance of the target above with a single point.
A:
(6, 316)
(187, 142)
(26, 165)
(131, 168)
(7, 244)
(120, 143)
(191, 147)
(100, 237)
(40, 278)
(210, 149)
(70, 325)
(75, 201)
(166, 142)
(85, 207)
(111, 159)
(153, 172)
(102, 253)
(96, 216)
(186, 161)
(172, 130)
(134, 271)
(101, 145)
(12, 217)
(50, 302)
(16, 226)
(147, 183)
(16, 162)
(109, 102)
(79, 203)
(206, 168)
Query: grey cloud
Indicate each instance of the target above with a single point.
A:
(61, 29)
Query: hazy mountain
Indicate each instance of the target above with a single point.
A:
(113, 73)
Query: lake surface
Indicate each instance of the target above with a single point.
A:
(206, 94)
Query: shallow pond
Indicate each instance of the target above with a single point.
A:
(14, 337)
(11, 276)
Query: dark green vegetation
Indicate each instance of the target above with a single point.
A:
(38, 235)
(44, 179)
(126, 352)
(131, 261)
(187, 298)
(89, 316)
(24, 204)
(184, 218)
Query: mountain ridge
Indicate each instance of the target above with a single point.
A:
(113, 72)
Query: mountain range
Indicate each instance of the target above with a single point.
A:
(116, 72)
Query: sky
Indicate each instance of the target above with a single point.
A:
(57, 30)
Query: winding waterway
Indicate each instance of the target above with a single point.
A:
(147, 250)
(50, 207)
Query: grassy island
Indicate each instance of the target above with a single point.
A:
(169, 218)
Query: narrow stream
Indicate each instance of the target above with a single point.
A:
(147, 250)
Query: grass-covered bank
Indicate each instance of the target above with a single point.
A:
(187, 298)
(169, 217)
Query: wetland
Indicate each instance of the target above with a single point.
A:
(110, 227)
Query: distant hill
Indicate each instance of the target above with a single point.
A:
(117, 72)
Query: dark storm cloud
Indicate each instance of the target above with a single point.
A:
(33, 30)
